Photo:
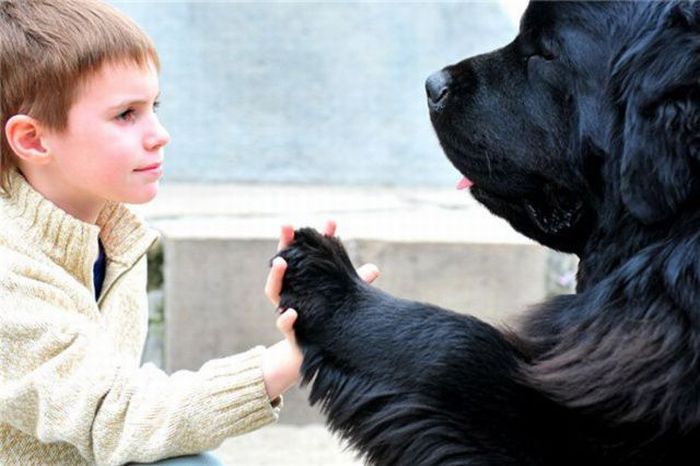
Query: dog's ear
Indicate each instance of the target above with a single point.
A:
(659, 88)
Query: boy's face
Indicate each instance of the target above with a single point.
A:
(112, 148)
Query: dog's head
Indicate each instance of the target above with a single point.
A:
(594, 108)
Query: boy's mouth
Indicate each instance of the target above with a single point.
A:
(153, 166)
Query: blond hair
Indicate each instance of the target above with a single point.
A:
(48, 48)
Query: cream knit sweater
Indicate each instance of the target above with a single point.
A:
(71, 387)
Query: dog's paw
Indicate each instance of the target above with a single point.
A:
(319, 278)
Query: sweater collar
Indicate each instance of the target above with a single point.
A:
(71, 242)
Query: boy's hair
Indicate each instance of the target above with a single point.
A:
(48, 48)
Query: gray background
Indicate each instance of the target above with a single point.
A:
(309, 93)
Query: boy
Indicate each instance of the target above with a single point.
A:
(79, 88)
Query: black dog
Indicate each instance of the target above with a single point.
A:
(584, 133)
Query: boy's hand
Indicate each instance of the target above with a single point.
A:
(273, 286)
(282, 361)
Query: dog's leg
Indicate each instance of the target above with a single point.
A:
(409, 383)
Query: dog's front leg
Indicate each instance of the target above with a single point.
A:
(406, 382)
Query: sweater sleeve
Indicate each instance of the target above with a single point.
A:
(61, 380)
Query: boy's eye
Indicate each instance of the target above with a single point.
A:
(130, 113)
(127, 115)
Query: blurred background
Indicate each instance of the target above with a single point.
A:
(296, 112)
(310, 92)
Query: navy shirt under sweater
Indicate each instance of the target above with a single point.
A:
(98, 270)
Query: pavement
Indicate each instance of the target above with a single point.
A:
(286, 445)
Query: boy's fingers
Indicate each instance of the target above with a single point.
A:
(368, 272)
(286, 236)
(273, 285)
(330, 228)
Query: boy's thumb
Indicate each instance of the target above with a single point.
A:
(285, 322)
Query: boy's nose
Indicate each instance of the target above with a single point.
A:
(158, 138)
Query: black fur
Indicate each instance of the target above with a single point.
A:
(583, 133)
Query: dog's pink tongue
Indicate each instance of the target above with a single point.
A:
(465, 183)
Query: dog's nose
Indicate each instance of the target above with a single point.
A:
(437, 86)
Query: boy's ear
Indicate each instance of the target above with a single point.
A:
(23, 134)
